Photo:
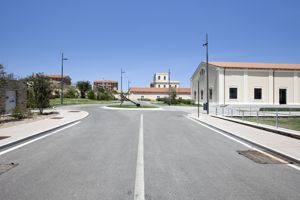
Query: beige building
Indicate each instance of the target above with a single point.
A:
(105, 84)
(161, 80)
(156, 93)
(247, 83)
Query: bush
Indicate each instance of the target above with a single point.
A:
(144, 99)
(70, 93)
(105, 95)
(17, 113)
(91, 95)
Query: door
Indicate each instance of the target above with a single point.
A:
(282, 96)
(10, 101)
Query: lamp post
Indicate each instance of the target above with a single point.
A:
(122, 72)
(128, 87)
(169, 73)
(207, 82)
(62, 79)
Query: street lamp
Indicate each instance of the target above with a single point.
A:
(128, 88)
(207, 82)
(122, 72)
(62, 79)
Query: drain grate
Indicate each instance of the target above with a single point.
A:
(3, 137)
(74, 111)
(56, 118)
(259, 157)
(6, 167)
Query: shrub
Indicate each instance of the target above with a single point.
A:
(17, 113)
(91, 95)
(70, 93)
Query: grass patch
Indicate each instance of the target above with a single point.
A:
(74, 101)
(283, 122)
(280, 109)
(131, 106)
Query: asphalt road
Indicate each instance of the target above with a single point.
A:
(97, 159)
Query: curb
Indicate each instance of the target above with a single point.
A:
(274, 151)
(3, 147)
(280, 132)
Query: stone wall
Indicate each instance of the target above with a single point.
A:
(21, 93)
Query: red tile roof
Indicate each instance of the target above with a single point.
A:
(158, 90)
(256, 65)
(105, 81)
(56, 76)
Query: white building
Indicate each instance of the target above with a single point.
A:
(161, 80)
(138, 93)
(247, 83)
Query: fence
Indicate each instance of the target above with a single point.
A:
(279, 117)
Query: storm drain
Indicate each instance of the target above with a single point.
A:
(259, 157)
(6, 167)
(56, 118)
(3, 137)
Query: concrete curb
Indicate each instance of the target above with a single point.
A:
(6, 146)
(281, 154)
(280, 132)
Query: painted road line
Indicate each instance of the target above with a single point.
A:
(36, 139)
(139, 189)
(243, 143)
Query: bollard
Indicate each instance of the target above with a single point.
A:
(216, 111)
(223, 111)
(257, 120)
(231, 112)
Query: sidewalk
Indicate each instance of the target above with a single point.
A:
(29, 130)
(282, 145)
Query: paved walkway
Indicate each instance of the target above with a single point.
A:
(28, 130)
(283, 145)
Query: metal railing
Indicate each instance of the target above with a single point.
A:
(281, 118)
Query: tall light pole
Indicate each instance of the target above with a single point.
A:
(207, 81)
(128, 87)
(122, 72)
(169, 75)
(62, 79)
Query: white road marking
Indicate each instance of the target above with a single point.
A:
(243, 143)
(139, 189)
(36, 139)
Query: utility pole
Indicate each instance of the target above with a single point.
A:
(207, 81)
(62, 79)
(169, 75)
(198, 97)
(122, 72)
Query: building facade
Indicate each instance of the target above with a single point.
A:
(56, 79)
(247, 83)
(13, 94)
(138, 93)
(105, 84)
(161, 80)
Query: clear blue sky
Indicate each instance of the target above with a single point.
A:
(143, 37)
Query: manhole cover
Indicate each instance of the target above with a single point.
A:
(56, 117)
(74, 111)
(259, 157)
(3, 137)
(6, 167)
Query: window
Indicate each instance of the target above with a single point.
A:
(159, 86)
(232, 93)
(142, 97)
(257, 93)
(164, 86)
(210, 93)
(201, 94)
(175, 86)
(158, 77)
(164, 77)
(158, 97)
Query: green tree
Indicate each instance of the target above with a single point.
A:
(40, 87)
(71, 92)
(91, 94)
(83, 87)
